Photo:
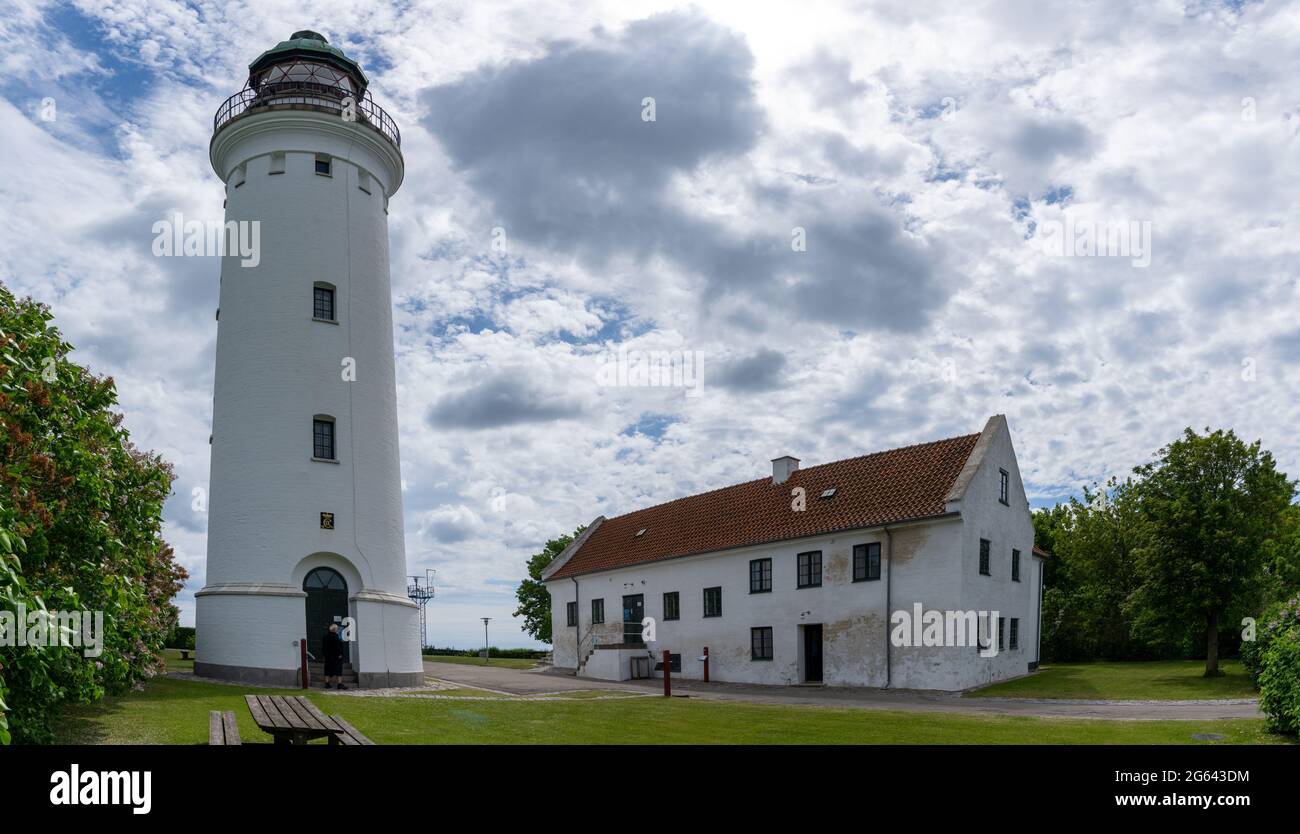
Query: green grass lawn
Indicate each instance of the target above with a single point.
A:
(503, 662)
(1161, 680)
(171, 711)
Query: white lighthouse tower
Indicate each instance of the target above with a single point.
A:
(305, 509)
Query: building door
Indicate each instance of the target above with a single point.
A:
(633, 613)
(327, 602)
(812, 653)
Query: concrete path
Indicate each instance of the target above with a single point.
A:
(528, 682)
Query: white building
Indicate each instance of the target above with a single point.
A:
(783, 595)
(305, 509)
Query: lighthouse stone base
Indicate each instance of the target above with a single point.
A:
(250, 633)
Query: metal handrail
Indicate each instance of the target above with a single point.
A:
(309, 95)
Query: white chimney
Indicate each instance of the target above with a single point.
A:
(783, 467)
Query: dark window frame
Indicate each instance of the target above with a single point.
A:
(760, 643)
(571, 613)
(1014, 643)
(764, 576)
(598, 604)
(328, 162)
(322, 303)
(804, 578)
(717, 612)
(1002, 633)
(676, 606)
(324, 441)
(1004, 487)
(1015, 565)
(866, 562)
(986, 568)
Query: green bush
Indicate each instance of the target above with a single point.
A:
(182, 637)
(1279, 683)
(1276, 619)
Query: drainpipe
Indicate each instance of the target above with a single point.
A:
(577, 626)
(889, 604)
(1038, 632)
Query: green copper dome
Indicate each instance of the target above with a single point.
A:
(306, 46)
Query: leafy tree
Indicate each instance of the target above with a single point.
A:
(1211, 502)
(1091, 573)
(80, 527)
(534, 600)
(1282, 558)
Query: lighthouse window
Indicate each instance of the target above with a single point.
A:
(323, 303)
(277, 162)
(323, 439)
(323, 166)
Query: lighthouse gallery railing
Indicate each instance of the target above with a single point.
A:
(311, 96)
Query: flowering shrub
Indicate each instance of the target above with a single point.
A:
(80, 527)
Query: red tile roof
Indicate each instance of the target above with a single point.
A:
(872, 490)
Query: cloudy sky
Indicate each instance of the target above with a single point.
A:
(859, 218)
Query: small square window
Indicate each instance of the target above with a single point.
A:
(760, 643)
(984, 558)
(323, 166)
(597, 611)
(674, 663)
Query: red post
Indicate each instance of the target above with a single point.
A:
(306, 673)
(706, 664)
(668, 674)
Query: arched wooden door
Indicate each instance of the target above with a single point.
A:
(327, 602)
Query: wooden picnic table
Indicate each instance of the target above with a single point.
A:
(293, 719)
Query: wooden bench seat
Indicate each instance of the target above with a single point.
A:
(222, 728)
(349, 736)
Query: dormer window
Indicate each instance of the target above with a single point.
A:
(828, 493)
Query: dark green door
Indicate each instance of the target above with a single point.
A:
(633, 613)
(327, 602)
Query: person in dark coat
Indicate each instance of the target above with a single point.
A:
(332, 647)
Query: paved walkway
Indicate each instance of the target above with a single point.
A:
(528, 682)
